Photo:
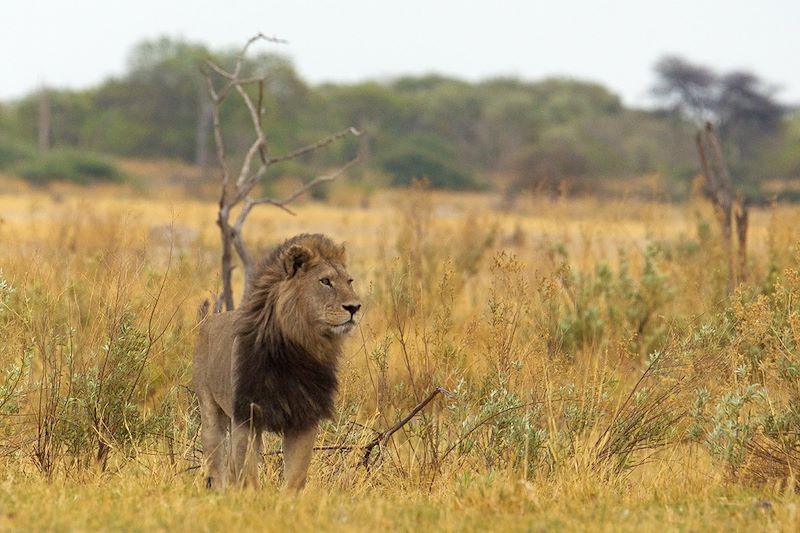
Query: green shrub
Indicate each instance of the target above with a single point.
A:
(14, 152)
(70, 166)
(605, 305)
(424, 157)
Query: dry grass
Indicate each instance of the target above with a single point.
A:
(600, 379)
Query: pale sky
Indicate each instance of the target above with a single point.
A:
(79, 43)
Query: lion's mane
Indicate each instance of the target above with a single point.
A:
(284, 372)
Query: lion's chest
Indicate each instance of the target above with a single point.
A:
(282, 388)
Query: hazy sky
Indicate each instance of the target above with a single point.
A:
(78, 43)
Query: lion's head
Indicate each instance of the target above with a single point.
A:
(302, 293)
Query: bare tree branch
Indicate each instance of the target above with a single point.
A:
(233, 194)
(313, 183)
(230, 76)
(317, 145)
(248, 158)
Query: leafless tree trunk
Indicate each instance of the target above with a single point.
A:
(236, 188)
(717, 188)
(44, 120)
(202, 128)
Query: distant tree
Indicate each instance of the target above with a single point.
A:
(171, 95)
(741, 106)
(565, 99)
(423, 156)
(511, 119)
(546, 168)
(160, 107)
(383, 113)
(685, 88)
(783, 156)
(43, 126)
(452, 112)
(731, 100)
(423, 84)
(67, 111)
(746, 110)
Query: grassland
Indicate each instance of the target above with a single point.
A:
(601, 378)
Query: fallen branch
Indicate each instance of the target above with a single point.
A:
(381, 440)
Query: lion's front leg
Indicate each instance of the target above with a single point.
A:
(246, 453)
(297, 449)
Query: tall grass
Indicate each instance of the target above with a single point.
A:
(586, 352)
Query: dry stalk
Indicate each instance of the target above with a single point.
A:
(641, 424)
(770, 459)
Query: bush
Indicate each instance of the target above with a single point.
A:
(14, 152)
(70, 166)
(418, 157)
(543, 168)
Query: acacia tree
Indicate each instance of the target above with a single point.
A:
(746, 111)
(685, 88)
(739, 104)
(238, 184)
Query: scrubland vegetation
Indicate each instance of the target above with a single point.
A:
(599, 376)
(546, 135)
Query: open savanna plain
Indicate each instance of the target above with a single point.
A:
(598, 375)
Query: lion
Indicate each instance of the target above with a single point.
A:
(271, 364)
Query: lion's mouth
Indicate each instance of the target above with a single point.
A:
(343, 328)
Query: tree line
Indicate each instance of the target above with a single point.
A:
(499, 133)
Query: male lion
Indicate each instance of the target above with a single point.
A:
(271, 364)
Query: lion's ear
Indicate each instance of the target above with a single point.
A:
(295, 257)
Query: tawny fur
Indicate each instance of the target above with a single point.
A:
(271, 365)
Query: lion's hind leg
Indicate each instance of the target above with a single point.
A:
(214, 428)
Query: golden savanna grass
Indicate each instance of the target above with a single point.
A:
(600, 378)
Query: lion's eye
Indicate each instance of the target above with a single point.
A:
(326, 281)
(350, 281)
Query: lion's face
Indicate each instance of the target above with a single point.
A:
(331, 302)
(318, 299)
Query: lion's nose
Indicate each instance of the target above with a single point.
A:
(353, 308)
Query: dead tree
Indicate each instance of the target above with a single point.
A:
(44, 120)
(717, 188)
(237, 186)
